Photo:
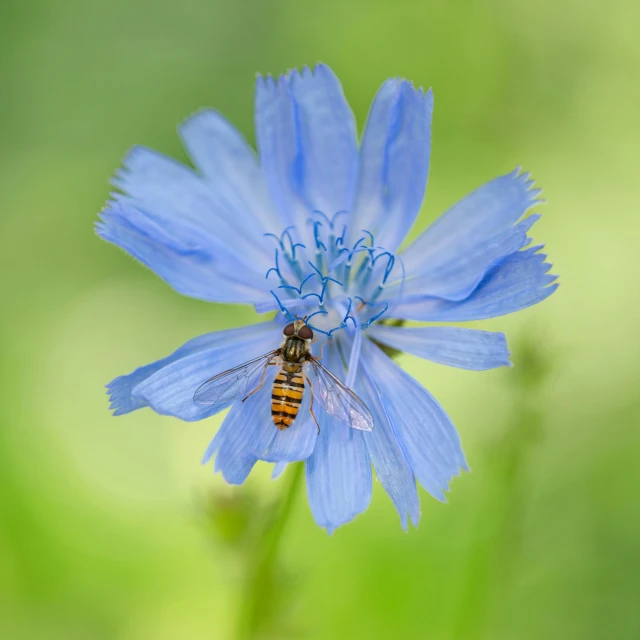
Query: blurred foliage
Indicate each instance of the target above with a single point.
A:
(99, 536)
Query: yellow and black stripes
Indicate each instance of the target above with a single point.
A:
(286, 397)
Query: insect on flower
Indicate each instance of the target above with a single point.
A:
(289, 385)
(312, 226)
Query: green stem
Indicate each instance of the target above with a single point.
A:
(259, 598)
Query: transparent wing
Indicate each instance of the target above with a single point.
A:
(223, 389)
(338, 400)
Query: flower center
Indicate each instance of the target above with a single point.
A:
(324, 280)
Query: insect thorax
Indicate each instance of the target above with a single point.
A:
(294, 351)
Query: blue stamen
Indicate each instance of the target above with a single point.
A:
(289, 286)
(390, 263)
(323, 214)
(306, 280)
(371, 320)
(367, 262)
(320, 296)
(370, 236)
(335, 263)
(282, 307)
(276, 238)
(312, 294)
(313, 266)
(292, 244)
(316, 237)
(355, 247)
(346, 315)
(338, 213)
(276, 268)
(298, 289)
(315, 313)
(376, 294)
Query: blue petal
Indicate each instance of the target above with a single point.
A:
(306, 136)
(269, 443)
(453, 346)
(354, 357)
(519, 281)
(296, 443)
(230, 446)
(456, 279)
(248, 434)
(168, 385)
(339, 472)
(451, 257)
(394, 161)
(428, 438)
(230, 166)
(195, 210)
(338, 476)
(191, 270)
(389, 461)
(278, 470)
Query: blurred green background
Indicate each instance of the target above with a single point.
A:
(101, 530)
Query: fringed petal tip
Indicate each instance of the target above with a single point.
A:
(400, 82)
(524, 178)
(406, 517)
(294, 73)
(121, 401)
(442, 494)
(519, 281)
(137, 158)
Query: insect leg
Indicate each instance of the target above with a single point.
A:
(264, 373)
(313, 415)
(324, 344)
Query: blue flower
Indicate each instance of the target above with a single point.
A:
(312, 227)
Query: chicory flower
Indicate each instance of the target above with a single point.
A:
(312, 227)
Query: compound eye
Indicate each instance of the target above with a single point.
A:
(289, 329)
(305, 332)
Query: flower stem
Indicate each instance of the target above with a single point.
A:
(260, 598)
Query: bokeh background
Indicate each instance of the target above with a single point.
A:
(103, 532)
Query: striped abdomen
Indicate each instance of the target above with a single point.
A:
(286, 397)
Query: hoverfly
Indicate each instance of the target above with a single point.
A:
(296, 362)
